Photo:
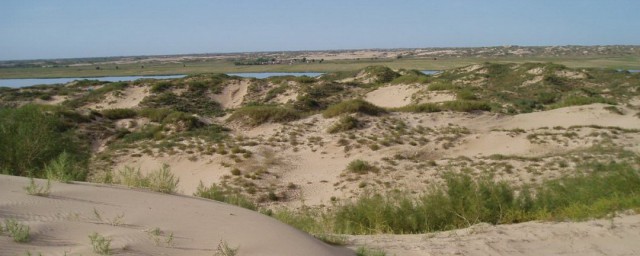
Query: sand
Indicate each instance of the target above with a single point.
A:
(61, 223)
(232, 95)
(392, 96)
(618, 236)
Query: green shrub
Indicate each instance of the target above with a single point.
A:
(381, 74)
(576, 100)
(100, 244)
(161, 86)
(119, 113)
(37, 190)
(421, 108)
(65, 168)
(19, 232)
(353, 106)
(163, 181)
(31, 137)
(217, 193)
(362, 251)
(441, 86)
(345, 123)
(466, 105)
(361, 167)
(259, 114)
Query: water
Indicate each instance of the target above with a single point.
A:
(16, 83)
(262, 75)
(431, 72)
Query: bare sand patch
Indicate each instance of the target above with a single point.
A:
(61, 223)
(392, 96)
(232, 96)
(128, 98)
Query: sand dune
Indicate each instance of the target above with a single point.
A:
(60, 223)
(618, 236)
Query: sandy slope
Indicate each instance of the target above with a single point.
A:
(62, 222)
(619, 236)
(128, 98)
(392, 96)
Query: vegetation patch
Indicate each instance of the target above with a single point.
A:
(353, 106)
(259, 114)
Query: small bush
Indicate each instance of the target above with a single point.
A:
(353, 106)
(362, 251)
(64, 169)
(160, 87)
(163, 181)
(344, 124)
(217, 193)
(19, 232)
(119, 113)
(225, 250)
(466, 105)
(361, 167)
(37, 190)
(101, 245)
(260, 114)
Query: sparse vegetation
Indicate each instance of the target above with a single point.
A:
(345, 123)
(353, 106)
(218, 193)
(259, 114)
(18, 231)
(100, 244)
(224, 249)
(161, 180)
(38, 190)
(361, 167)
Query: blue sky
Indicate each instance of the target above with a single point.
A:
(31, 29)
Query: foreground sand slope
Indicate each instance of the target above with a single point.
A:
(60, 223)
(618, 236)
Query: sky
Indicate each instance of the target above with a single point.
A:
(44, 29)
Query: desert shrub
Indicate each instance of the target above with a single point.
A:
(163, 181)
(217, 193)
(318, 96)
(441, 86)
(362, 251)
(259, 114)
(411, 77)
(224, 249)
(345, 123)
(160, 86)
(381, 74)
(18, 231)
(465, 201)
(119, 113)
(95, 95)
(155, 114)
(38, 190)
(576, 100)
(466, 94)
(353, 106)
(466, 105)
(305, 80)
(361, 167)
(31, 137)
(192, 101)
(100, 244)
(421, 108)
(65, 168)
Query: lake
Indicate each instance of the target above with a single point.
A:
(262, 75)
(16, 83)
(430, 72)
